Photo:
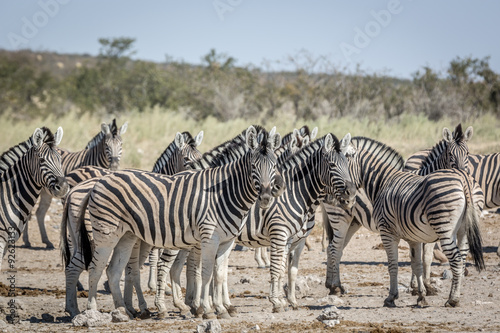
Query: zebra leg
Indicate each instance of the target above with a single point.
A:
(164, 264)
(154, 256)
(72, 271)
(128, 289)
(343, 230)
(293, 268)
(43, 207)
(209, 248)
(225, 291)
(143, 306)
(100, 257)
(219, 279)
(428, 250)
(452, 252)
(278, 256)
(391, 248)
(258, 256)
(193, 279)
(175, 278)
(265, 256)
(416, 267)
(120, 258)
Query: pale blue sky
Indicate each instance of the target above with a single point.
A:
(416, 34)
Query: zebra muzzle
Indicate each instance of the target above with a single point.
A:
(60, 188)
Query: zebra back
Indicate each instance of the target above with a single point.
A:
(486, 172)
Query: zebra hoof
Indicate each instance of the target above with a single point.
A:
(431, 291)
(232, 311)
(389, 303)
(162, 315)
(145, 314)
(452, 303)
(210, 315)
(223, 315)
(278, 309)
(422, 302)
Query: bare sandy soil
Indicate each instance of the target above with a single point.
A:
(40, 284)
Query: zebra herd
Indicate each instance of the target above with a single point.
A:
(257, 190)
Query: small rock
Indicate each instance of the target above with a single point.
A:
(118, 316)
(91, 318)
(47, 218)
(245, 280)
(48, 318)
(332, 300)
(2, 323)
(446, 274)
(210, 326)
(330, 316)
(255, 328)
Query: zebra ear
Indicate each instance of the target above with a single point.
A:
(468, 133)
(37, 138)
(179, 140)
(314, 133)
(198, 138)
(296, 133)
(123, 128)
(274, 141)
(344, 143)
(105, 128)
(251, 138)
(447, 135)
(329, 144)
(273, 130)
(293, 142)
(58, 136)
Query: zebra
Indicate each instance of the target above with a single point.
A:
(184, 147)
(450, 152)
(306, 174)
(25, 170)
(175, 211)
(418, 209)
(103, 150)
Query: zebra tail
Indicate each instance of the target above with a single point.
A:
(85, 244)
(63, 244)
(474, 236)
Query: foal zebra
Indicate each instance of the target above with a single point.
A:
(418, 209)
(26, 170)
(104, 150)
(452, 150)
(183, 148)
(176, 211)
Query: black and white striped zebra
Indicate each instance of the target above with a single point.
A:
(176, 211)
(104, 150)
(306, 174)
(418, 209)
(450, 152)
(25, 171)
(182, 149)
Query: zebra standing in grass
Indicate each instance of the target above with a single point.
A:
(306, 174)
(103, 150)
(176, 211)
(418, 209)
(26, 170)
(341, 225)
(183, 149)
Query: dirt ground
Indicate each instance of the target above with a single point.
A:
(40, 284)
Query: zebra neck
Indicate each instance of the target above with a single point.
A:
(233, 185)
(435, 160)
(303, 180)
(96, 155)
(373, 175)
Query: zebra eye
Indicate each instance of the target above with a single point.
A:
(42, 160)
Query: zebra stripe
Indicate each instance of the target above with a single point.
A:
(26, 169)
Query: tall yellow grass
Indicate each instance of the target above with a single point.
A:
(150, 132)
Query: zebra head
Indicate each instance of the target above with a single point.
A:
(263, 164)
(336, 174)
(113, 143)
(46, 166)
(457, 151)
(187, 146)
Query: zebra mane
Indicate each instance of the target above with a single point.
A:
(227, 151)
(170, 151)
(458, 134)
(300, 155)
(380, 151)
(14, 154)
